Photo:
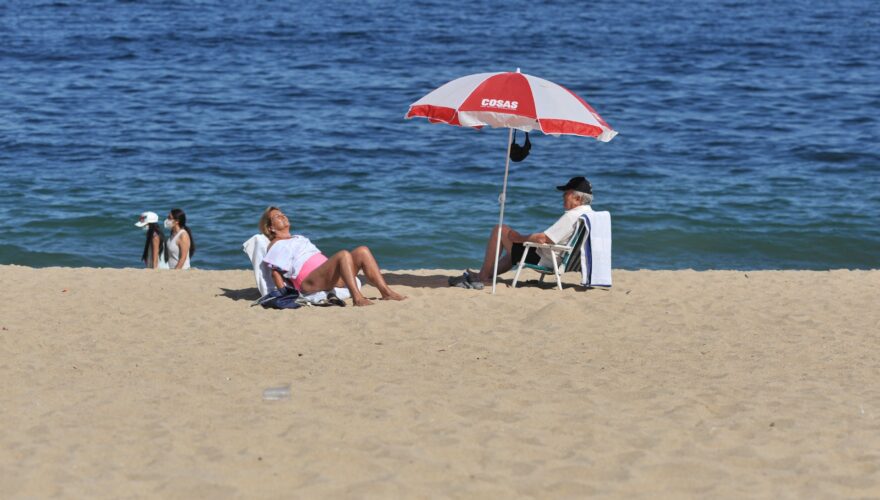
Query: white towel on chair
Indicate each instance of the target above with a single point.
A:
(596, 252)
(256, 248)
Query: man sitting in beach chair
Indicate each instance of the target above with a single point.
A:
(576, 199)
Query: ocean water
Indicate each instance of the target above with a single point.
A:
(748, 130)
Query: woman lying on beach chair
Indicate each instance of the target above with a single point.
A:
(294, 258)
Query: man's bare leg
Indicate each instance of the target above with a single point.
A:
(504, 263)
(339, 266)
(364, 260)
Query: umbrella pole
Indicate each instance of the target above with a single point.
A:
(501, 214)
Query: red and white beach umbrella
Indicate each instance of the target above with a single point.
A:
(515, 101)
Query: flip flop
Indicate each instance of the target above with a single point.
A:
(333, 300)
(460, 281)
(467, 280)
(474, 280)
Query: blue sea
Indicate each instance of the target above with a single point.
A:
(749, 131)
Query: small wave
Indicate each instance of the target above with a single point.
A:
(859, 170)
(819, 96)
(834, 156)
(120, 39)
(859, 120)
(633, 174)
(127, 56)
(15, 255)
(357, 35)
(82, 221)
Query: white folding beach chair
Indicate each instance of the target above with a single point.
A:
(570, 258)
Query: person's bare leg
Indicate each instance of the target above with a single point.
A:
(504, 263)
(339, 266)
(363, 259)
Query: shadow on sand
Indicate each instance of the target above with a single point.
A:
(249, 294)
(442, 281)
(547, 284)
(416, 281)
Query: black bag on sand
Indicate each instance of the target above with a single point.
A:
(282, 298)
(289, 298)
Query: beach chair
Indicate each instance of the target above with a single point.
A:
(570, 260)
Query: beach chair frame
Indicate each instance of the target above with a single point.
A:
(570, 256)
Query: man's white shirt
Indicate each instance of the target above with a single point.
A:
(561, 232)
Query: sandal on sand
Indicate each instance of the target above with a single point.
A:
(474, 279)
(329, 301)
(459, 281)
(466, 280)
(333, 300)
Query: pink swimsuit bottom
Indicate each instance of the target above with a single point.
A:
(313, 263)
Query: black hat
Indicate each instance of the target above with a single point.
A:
(517, 152)
(578, 184)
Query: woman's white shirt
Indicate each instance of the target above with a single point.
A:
(173, 250)
(290, 255)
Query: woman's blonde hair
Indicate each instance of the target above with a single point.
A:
(266, 223)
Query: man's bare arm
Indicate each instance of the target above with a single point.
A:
(516, 237)
(540, 238)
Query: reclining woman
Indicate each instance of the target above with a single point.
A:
(295, 258)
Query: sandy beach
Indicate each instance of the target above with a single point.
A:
(723, 384)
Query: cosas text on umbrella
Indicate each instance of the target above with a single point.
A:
(499, 103)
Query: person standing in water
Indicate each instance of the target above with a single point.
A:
(154, 248)
(180, 246)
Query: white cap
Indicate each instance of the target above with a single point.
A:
(146, 218)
